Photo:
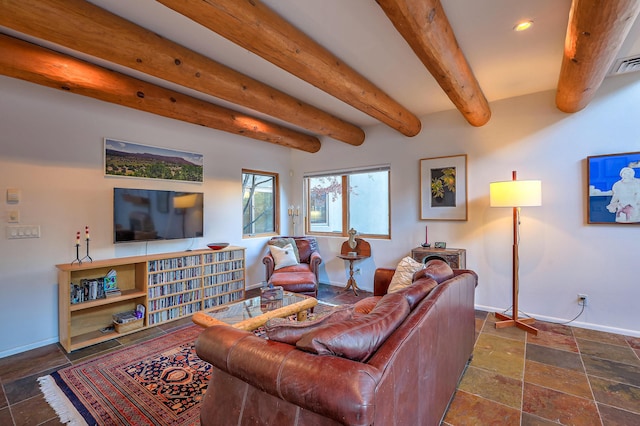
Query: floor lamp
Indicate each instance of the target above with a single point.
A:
(515, 194)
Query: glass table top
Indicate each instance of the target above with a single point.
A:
(252, 308)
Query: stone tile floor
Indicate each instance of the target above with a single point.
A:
(565, 375)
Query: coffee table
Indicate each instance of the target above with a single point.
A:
(249, 314)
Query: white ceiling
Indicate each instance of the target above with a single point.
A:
(506, 63)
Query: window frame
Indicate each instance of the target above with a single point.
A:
(276, 203)
(344, 176)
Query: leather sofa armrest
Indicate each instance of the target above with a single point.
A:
(381, 280)
(269, 265)
(457, 272)
(314, 263)
(316, 383)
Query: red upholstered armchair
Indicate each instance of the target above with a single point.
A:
(301, 277)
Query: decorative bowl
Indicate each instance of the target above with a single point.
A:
(217, 246)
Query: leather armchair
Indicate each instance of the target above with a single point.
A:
(301, 278)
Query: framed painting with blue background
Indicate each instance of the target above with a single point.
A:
(614, 188)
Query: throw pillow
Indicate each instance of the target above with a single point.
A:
(287, 331)
(281, 242)
(360, 337)
(283, 256)
(403, 277)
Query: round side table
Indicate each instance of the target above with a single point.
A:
(352, 281)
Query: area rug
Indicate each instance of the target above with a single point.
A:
(158, 382)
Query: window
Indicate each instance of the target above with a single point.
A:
(339, 201)
(259, 203)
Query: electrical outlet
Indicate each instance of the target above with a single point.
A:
(583, 299)
(356, 271)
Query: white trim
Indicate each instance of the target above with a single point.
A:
(349, 171)
(579, 324)
(25, 348)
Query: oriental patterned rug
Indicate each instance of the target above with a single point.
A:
(158, 382)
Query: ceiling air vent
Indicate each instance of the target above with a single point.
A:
(625, 65)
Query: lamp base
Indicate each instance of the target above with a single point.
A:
(521, 323)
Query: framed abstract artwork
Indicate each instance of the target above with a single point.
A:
(614, 188)
(443, 188)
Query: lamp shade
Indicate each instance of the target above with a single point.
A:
(184, 201)
(515, 193)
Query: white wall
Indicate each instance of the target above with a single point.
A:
(560, 254)
(51, 149)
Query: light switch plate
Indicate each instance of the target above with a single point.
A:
(19, 232)
(13, 196)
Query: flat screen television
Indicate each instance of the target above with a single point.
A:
(151, 215)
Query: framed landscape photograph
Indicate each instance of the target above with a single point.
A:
(129, 159)
(614, 188)
(443, 188)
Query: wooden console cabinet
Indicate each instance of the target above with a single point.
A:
(457, 258)
(169, 286)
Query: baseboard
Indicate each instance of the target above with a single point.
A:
(253, 286)
(20, 349)
(579, 324)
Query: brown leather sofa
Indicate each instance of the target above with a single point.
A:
(301, 278)
(407, 378)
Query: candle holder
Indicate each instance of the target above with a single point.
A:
(426, 238)
(293, 212)
(77, 259)
(87, 256)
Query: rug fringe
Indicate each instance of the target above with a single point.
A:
(59, 402)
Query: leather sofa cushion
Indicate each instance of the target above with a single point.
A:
(414, 294)
(436, 269)
(289, 275)
(418, 291)
(359, 337)
(286, 331)
(366, 305)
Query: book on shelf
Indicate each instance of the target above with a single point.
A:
(95, 288)
(113, 293)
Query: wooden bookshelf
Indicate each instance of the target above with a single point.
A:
(170, 286)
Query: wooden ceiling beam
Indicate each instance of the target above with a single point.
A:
(26, 61)
(86, 28)
(425, 27)
(595, 33)
(252, 25)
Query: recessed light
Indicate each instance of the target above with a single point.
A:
(523, 26)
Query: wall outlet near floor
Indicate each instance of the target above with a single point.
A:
(356, 271)
(583, 299)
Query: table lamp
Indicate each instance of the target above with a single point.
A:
(515, 194)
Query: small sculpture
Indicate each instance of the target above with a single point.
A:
(352, 238)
